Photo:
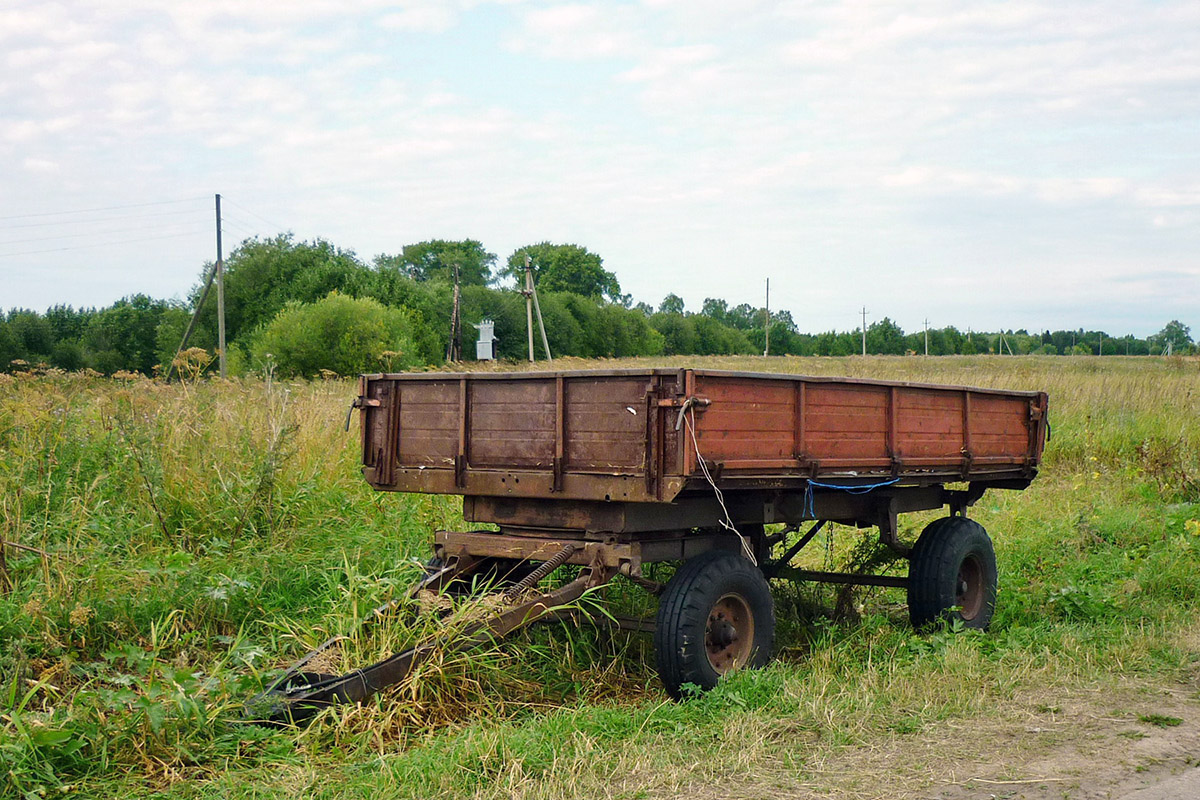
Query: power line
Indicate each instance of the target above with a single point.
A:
(88, 233)
(238, 230)
(239, 223)
(103, 208)
(100, 244)
(253, 214)
(98, 219)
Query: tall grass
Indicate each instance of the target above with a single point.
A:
(177, 544)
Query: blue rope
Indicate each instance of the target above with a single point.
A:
(809, 504)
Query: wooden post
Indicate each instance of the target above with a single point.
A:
(220, 295)
(529, 303)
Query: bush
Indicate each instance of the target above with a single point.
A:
(339, 333)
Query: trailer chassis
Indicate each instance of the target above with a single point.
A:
(610, 539)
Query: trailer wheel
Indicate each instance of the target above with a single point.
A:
(952, 574)
(715, 615)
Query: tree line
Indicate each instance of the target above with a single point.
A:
(303, 307)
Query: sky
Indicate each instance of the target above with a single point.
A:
(986, 164)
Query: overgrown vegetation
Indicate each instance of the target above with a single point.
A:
(169, 547)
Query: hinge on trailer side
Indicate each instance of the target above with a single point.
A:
(359, 402)
(966, 463)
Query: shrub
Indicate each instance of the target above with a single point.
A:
(342, 334)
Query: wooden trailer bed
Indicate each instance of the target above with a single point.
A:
(626, 435)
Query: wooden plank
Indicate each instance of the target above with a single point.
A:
(777, 422)
(430, 418)
(834, 422)
(743, 393)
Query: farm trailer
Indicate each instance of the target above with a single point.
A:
(612, 470)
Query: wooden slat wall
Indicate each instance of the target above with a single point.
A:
(998, 426)
(929, 424)
(601, 431)
(745, 419)
(845, 421)
(755, 424)
(428, 423)
(608, 424)
(512, 423)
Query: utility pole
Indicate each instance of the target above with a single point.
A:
(1100, 352)
(767, 329)
(454, 348)
(529, 303)
(864, 330)
(927, 336)
(220, 295)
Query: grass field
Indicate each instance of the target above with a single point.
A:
(175, 544)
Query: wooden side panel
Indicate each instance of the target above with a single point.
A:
(605, 424)
(845, 421)
(769, 426)
(928, 425)
(612, 436)
(999, 426)
(747, 420)
(428, 422)
(512, 423)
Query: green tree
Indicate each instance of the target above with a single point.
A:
(10, 348)
(565, 268)
(33, 335)
(1175, 334)
(671, 304)
(434, 260)
(715, 308)
(716, 338)
(745, 317)
(124, 336)
(678, 332)
(343, 334)
(886, 337)
(262, 276)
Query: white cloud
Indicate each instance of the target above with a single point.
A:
(907, 153)
(423, 19)
(578, 31)
(40, 165)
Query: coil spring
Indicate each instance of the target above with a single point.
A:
(531, 580)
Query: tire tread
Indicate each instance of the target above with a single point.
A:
(682, 603)
(937, 555)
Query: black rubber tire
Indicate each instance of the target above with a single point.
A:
(952, 574)
(682, 634)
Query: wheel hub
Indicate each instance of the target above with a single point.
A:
(969, 591)
(729, 634)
